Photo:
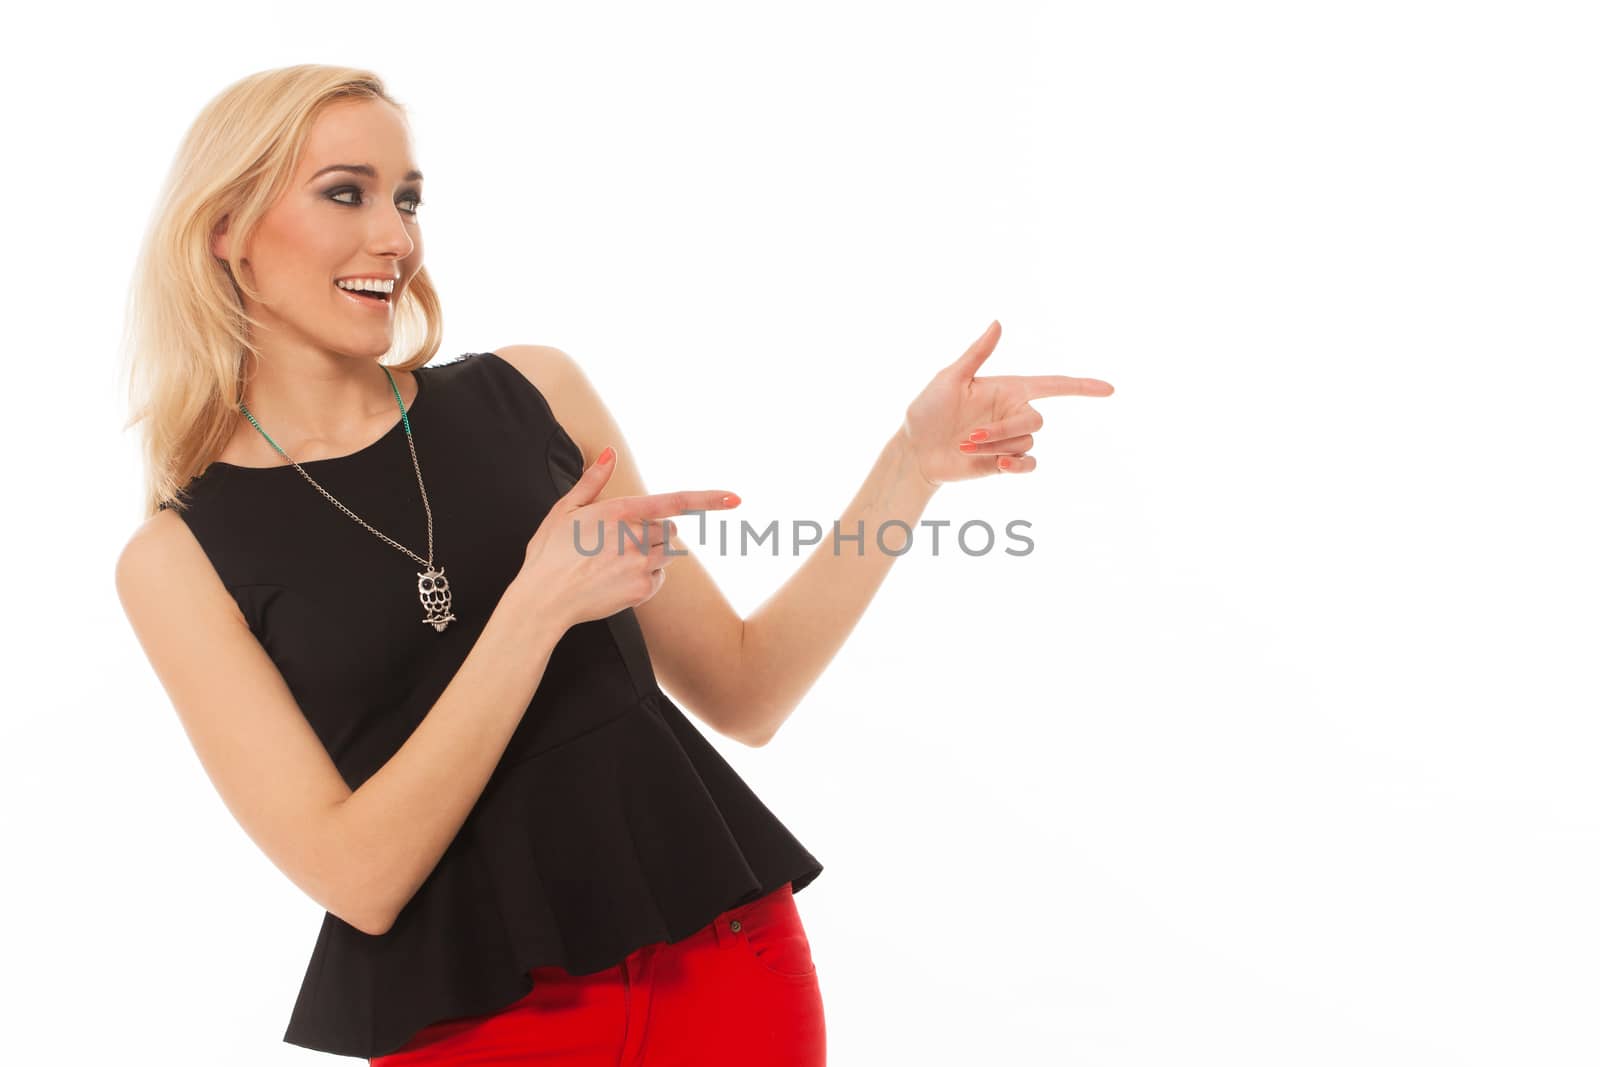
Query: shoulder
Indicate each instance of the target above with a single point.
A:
(163, 553)
(546, 367)
(156, 539)
(572, 397)
(535, 360)
(159, 541)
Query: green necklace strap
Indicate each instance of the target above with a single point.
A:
(405, 419)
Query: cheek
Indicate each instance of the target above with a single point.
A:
(297, 251)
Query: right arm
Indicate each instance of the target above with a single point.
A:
(396, 826)
(363, 854)
(360, 855)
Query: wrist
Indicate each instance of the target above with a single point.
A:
(904, 465)
(535, 609)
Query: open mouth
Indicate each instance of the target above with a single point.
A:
(382, 298)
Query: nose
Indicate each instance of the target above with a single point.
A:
(392, 234)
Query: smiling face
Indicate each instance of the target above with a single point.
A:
(338, 223)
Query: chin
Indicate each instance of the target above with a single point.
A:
(368, 344)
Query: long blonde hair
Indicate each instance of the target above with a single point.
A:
(186, 334)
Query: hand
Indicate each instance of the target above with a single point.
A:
(956, 404)
(584, 587)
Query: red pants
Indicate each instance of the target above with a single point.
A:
(742, 991)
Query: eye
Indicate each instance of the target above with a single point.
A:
(350, 190)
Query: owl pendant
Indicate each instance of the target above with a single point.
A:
(435, 593)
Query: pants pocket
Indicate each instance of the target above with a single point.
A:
(770, 934)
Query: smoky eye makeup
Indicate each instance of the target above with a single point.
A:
(414, 196)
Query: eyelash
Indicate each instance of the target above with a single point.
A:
(417, 200)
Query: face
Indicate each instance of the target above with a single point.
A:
(332, 224)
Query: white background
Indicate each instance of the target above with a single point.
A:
(1279, 748)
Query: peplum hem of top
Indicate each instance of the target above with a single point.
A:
(655, 835)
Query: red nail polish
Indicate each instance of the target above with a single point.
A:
(1005, 464)
(968, 446)
(978, 435)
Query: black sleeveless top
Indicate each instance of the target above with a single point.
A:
(609, 823)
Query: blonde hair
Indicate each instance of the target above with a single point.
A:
(186, 333)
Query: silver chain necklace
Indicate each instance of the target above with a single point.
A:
(432, 588)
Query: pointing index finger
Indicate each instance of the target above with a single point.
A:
(1037, 385)
(662, 505)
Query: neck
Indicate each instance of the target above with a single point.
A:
(317, 406)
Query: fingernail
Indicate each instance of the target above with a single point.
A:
(731, 500)
(605, 455)
(978, 435)
(1005, 464)
(968, 446)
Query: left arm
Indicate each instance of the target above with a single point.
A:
(744, 677)
(793, 636)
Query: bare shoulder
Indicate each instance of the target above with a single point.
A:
(551, 370)
(161, 532)
(254, 741)
(155, 542)
(572, 396)
(162, 550)
(546, 367)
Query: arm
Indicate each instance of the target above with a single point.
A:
(795, 633)
(361, 855)
(744, 677)
(961, 426)
(393, 829)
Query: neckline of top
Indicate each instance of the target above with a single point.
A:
(397, 428)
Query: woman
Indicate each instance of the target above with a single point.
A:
(526, 851)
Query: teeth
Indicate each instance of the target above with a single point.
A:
(371, 285)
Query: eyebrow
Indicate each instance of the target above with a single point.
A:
(362, 168)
